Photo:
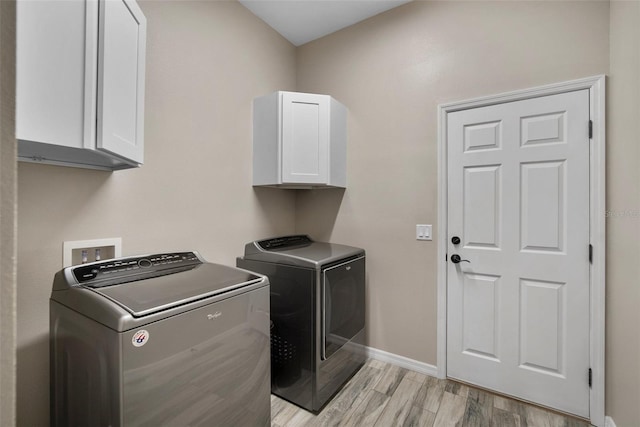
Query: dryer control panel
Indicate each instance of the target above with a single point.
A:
(284, 242)
(122, 270)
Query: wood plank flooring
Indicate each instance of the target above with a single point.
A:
(383, 395)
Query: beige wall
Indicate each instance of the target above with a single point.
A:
(623, 223)
(392, 71)
(8, 225)
(206, 61)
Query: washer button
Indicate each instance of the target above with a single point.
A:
(144, 263)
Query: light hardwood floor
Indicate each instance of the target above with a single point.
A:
(384, 395)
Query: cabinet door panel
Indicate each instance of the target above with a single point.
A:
(55, 79)
(121, 79)
(305, 138)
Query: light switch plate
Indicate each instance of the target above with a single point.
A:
(423, 232)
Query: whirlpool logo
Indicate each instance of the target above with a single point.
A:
(214, 315)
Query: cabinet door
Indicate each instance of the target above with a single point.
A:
(121, 65)
(56, 72)
(305, 138)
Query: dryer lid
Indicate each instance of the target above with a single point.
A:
(299, 250)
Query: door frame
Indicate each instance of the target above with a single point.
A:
(596, 87)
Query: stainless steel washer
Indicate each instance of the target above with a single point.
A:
(165, 339)
(317, 313)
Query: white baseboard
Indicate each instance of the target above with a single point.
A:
(608, 422)
(401, 361)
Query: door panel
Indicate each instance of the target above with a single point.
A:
(518, 197)
(121, 74)
(481, 206)
(305, 127)
(305, 138)
(482, 136)
(481, 318)
(542, 332)
(343, 311)
(544, 129)
(543, 196)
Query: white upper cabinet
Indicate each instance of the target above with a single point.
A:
(299, 141)
(80, 83)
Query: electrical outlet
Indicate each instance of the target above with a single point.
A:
(83, 251)
(423, 232)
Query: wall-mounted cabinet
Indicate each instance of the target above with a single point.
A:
(80, 83)
(299, 141)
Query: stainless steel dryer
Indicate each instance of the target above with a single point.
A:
(154, 340)
(317, 314)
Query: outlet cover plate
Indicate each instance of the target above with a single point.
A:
(113, 248)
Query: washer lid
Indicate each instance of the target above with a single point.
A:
(148, 284)
(151, 295)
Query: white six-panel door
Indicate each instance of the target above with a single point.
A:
(518, 199)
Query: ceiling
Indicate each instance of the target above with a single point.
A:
(301, 21)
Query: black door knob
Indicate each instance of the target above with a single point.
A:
(455, 258)
(455, 240)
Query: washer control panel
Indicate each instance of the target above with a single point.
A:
(121, 270)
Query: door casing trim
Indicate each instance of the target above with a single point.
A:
(597, 231)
